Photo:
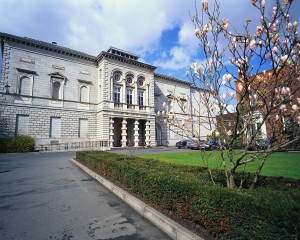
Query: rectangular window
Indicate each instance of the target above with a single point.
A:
(141, 98)
(117, 97)
(55, 125)
(83, 128)
(22, 125)
(129, 96)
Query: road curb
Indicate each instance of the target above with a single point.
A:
(167, 225)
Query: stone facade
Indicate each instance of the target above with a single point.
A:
(59, 95)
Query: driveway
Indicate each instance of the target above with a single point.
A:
(45, 196)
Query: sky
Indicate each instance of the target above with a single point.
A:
(160, 31)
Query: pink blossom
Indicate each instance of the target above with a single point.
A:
(263, 3)
(295, 25)
(283, 107)
(252, 44)
(165, 121)
(240, 87)
(249, 88)
(298, 100)
(232, 94)
(229, 133)
(259, 30)
(276, 117)
(298, 119)
(295, 108)
(158, 113)
(283, 58)
(164, 104)
(260, 43)
(289, 26)
(217, 134)
(275, 50)
(197, 31)
(163, 113)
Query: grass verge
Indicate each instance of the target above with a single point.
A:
(278, 164)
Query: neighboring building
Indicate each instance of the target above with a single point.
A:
(268, 88)
(61, 96)
(226, 122)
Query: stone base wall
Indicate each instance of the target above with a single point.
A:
(39, 123)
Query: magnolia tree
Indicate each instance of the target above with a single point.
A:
(259, 66)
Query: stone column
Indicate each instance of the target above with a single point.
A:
(124, 133)
(111, 132)
(136, 133)
(147, 134)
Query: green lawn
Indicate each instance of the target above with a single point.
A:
(278, 164)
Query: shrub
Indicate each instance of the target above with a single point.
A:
(270, 212)
(17, 144)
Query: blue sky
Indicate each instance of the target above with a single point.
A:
(160, 31)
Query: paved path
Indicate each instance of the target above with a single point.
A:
(45, 196)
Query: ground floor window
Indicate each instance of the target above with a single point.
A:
(83, 128)
(55, 127)
(22, 124)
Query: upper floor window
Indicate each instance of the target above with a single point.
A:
(25, 86)
(56, 90)
(117, 94)
(141, 98)
(57, 81)
(141, 81)
(129, 96)
(129, 79)
(117, 76)
(84, 94)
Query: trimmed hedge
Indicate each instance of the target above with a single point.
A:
(267, 212)
(17, 144)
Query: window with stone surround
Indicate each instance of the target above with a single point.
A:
(57, 82)
(84, 94)
(25, 86)
(22, 123)
(83, 128)
(55, 127)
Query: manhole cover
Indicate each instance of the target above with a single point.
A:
(62, 182)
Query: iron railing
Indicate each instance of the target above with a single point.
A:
(69, 146)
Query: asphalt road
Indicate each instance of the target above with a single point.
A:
(45, 196)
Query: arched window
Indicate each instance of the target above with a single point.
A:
(25, 86)
(56, 90)
(84, 94)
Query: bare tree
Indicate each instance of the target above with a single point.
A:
(257, 65)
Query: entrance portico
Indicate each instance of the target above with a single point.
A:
(126, 132)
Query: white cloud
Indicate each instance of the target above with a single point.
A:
(92, 26)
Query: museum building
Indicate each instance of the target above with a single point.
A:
(61, 96)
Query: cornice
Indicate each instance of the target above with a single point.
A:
(103, 55)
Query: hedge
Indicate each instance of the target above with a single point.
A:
(17, 144)
(268, 212)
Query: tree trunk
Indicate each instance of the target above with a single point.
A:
(232, 179)
(258, 172)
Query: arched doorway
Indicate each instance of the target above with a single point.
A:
(158, 135)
